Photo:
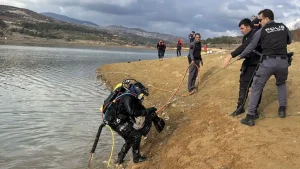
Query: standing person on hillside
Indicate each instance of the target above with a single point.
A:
(179, 46)
(194, 58)
(274, 38)
(192, 36)
(161, 47)
(164, 49)
(249, 65)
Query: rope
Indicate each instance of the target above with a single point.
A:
(198, 81)
(173, 95)
(167, 103)
(112, 149)
(112, 146)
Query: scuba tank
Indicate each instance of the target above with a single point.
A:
(112, 95)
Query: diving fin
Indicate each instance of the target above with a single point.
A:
(159, 123)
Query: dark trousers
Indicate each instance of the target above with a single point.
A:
(132, 139)
(161, 54)
(193, 73)
(246, 79)
(278, 68)
(178, 52)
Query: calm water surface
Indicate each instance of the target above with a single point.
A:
(49, 105)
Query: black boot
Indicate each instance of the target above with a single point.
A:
(249, 120)
(123, 152)
(137, 158)
(240, 109)
(281, 111)
(256, 116)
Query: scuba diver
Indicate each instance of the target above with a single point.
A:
(125, 114)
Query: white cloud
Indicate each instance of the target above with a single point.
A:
(209, 17)
(62, 10)
(19, 4)
(198, 16)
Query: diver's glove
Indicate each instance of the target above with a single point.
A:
(150, 111)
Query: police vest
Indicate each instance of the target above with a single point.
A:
(273, 39)
(197, 51)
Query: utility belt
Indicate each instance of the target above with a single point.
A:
(273, 57)
(288, 57)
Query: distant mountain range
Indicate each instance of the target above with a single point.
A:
(53, 26)
(115, 29)
(124, 31)
(68, 19)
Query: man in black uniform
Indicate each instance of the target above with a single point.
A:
(274, 38)
(194, 57)
(128, 108)
(248, 67)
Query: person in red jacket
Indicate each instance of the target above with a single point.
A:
(204, 48)
(179, 46)
(161, 47)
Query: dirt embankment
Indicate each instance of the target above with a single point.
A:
(199, 132)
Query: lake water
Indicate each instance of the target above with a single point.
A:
(49, 105)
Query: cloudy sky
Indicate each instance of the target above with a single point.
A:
(178, 17)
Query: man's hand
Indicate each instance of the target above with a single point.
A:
(192, 62)
(227, 60)
(249, 92)
(201, 62)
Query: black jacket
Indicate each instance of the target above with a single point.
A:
(253, 58)
(161, 46)
(195, 51)
(274, 39)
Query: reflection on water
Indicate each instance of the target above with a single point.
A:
(49, 105)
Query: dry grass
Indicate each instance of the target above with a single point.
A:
(199, 132)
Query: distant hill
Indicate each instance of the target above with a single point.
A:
(19, 22)
(13, 14)
(68, 19)
(121, 30)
